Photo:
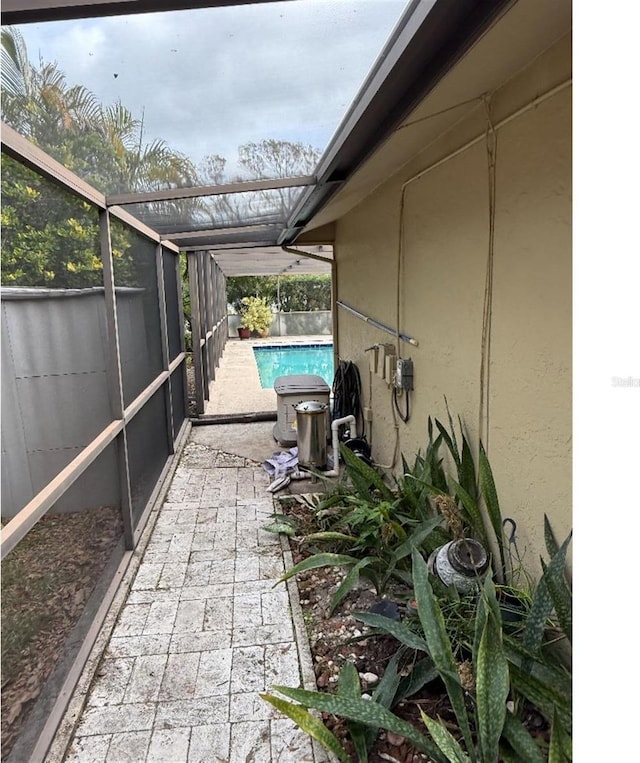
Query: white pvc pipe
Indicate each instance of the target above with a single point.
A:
(335, 424)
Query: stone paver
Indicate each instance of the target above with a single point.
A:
(201, 634)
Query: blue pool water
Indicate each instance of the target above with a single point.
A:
(286, 360)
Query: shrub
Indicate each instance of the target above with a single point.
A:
(255, 314)
(500, 652)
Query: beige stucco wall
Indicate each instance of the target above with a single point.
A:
(445, 244)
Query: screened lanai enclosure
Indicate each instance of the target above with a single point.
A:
(149, 150)
(154, 149)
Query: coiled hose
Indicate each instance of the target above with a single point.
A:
(346, 394)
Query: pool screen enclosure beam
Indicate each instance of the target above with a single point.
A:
(242, 236)
(30, 11)
(26, 152)
(232, 246)
(210, 190)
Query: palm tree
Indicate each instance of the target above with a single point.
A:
(138, 166)
(37, 101)
(103, 144)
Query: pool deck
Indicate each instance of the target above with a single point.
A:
(236, 388)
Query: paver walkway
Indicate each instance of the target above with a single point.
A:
(201, 633)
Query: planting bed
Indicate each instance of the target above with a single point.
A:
(339, 638)
(46, 582)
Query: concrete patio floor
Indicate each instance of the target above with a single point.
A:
(198, 629)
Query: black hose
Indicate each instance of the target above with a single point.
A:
(346, 394)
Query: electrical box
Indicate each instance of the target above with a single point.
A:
(404, 374)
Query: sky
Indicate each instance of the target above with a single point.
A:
(210, 80)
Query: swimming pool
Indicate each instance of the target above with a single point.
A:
(286, 360)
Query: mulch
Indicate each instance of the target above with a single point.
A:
(340, 637)
(46, 582)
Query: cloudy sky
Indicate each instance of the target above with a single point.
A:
(210, 80)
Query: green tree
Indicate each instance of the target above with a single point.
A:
(288, 293)
(239, 287)
(305, 292)
(49, 238)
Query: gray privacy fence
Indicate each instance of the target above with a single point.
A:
(300, 323)
(82, 370)
(58, 392)
(55, 389)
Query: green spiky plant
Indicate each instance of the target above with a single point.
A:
(431, 506)
(471, 489)
(369, 527)
(366, 531)
(449, 626)
(487, 693)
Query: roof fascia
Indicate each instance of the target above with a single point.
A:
(32, 11)
(428, 41)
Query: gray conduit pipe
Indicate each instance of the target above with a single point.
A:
(377, 324)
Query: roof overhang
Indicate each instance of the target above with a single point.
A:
(308, 260)
(475, 48)
(31, 11)
(428, 42)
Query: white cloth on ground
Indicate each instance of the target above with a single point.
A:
(281, 462)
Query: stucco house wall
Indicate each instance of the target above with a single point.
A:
(442, 274)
